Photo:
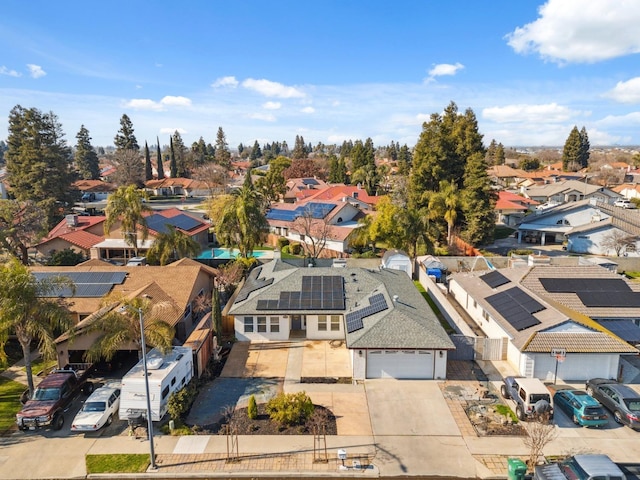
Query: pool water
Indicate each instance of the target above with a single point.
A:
(227, 253)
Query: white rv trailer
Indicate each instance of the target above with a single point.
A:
(167, 374)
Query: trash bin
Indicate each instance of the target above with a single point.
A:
(516, 469)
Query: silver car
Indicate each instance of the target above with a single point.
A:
(623, 401)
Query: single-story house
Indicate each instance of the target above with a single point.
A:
(100, 190)
(506, 304)
(569, 191)
(511, 208)
(387, 325)
(186, 187)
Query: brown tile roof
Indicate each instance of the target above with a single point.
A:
(577, 342)
(82, 239)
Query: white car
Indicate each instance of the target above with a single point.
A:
(98, 410)
(624, 203)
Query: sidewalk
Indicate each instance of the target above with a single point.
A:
(17, 373)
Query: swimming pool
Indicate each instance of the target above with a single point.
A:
(227, 253)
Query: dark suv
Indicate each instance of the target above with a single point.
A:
(623, 401)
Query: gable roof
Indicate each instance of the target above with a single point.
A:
(76, 234)
(337, 192)
(406, 322)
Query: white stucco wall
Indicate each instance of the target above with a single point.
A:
(243, 336)
(591, 242)
(314, 334)
(576, 366)
(359, 363)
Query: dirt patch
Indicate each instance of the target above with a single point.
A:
(329, 380)
(262, 425)
(487, 419)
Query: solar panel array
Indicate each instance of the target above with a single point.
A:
(310, 181)
(516, 307)
(87, 284)
(377, 304)
(253, 283)
(595, 292)
(316, 210)
(159, 222)
(494, 279)
(324, 292)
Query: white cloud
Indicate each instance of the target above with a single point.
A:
(11, 73)
(267, 117)
(176, 101)
(626, 92)
(272, 89)
(143, 104)
(308, 110)
(225, 82)
(171, 131)
(581, 31)
(271, 105)
(524, 113)
(443, 69)
(36, 71)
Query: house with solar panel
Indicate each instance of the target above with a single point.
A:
(389, 328)
(314, 223)
(588, 312)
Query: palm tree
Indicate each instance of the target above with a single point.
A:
(446, 203)
(127, 205)
(118, 323)
(172, 245)
(26, 312)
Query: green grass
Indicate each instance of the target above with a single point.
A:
(434, 307)
(632, 274)
(117, 463)
(506, 412)
(502, 232)
(10, 392)
(40, 365)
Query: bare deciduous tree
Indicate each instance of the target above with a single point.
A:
(215, 176)
(619, 241)
(129, 168)
(316, 231)
(539, 433)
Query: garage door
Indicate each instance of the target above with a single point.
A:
(399, 364)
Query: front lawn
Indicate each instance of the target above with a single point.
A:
(10, 392)
(502, 231)
(117, 463)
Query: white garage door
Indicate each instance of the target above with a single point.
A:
(399, 364)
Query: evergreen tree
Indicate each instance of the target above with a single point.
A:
(223, 155)
(337, 170)
(148, 169)
(584, 148)
(199, 152)
(240, 149)
(173, 165)
(300, 149)
(159, 165)
(180, 154)
(38, 160)
(491, 152)
(500, 155)
(86, 157)
(3, 148)
(478, 202)
(571, 154)
(256, 153)
(125, 139)
(404, 160)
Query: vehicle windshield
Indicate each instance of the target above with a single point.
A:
(632, 404)
(46, 394)
(94, 407)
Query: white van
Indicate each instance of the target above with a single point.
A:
(167, 374)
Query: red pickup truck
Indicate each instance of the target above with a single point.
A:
(53, 396)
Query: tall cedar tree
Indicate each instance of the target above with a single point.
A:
(584, 148)
(38, 161)
(500, 156)
(337, 170)
(478, 202)
(148, 169)
(125, 139)
(173, 165)
(445, 144)
(180, 152)
(159, 165)
(300, 149)
(572, 151)
(223, 155)
(86, 157)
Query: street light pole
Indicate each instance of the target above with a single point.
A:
(146, 385)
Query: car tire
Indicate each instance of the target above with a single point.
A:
(575, 420)
(617, 416)
(520, 413)
(109, 421)
(87, 388)
(58, 421)
(503, 391)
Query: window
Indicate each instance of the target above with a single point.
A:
(173, 381)
(485, 315)
(335, 323)
(275, 324)
(262, 324)
(248, 324)
(322, 323)
(165, 392)
(302, 237)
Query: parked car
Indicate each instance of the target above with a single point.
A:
(580, 467)
(581, 407)
(98, 410)
(624, 203)
(88, 197)
(621, 400)
(531, 396)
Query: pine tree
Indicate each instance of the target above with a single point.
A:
(180, 154)
(256, 153)
(491, 152)
(223, 155)
(173, 165)
(478, 202)
(86, 157)
(125, 139)
(499, 155)
(148, 170)
(300, 149)
(584, 148)
(159, 166)
(572, 151)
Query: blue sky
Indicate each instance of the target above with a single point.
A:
(326, 70)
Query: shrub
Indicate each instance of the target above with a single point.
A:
(290, 408)
(180, 402)
(282, 242)
(252, 409)
(247, 263)
(285, 249)
(295, 248)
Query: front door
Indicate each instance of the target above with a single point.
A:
(296, 322)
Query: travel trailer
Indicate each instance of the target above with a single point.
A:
(167, 374)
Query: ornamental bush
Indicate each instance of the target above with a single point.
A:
(252, 408)
(290, 408)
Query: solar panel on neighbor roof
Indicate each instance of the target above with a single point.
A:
(354, 322)
(183, 222)
(625, 329)
(610, 299)
(494, 279)
(85, 277)
(324, 292)
(575, 285)
(283, 215)
(516, 307)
